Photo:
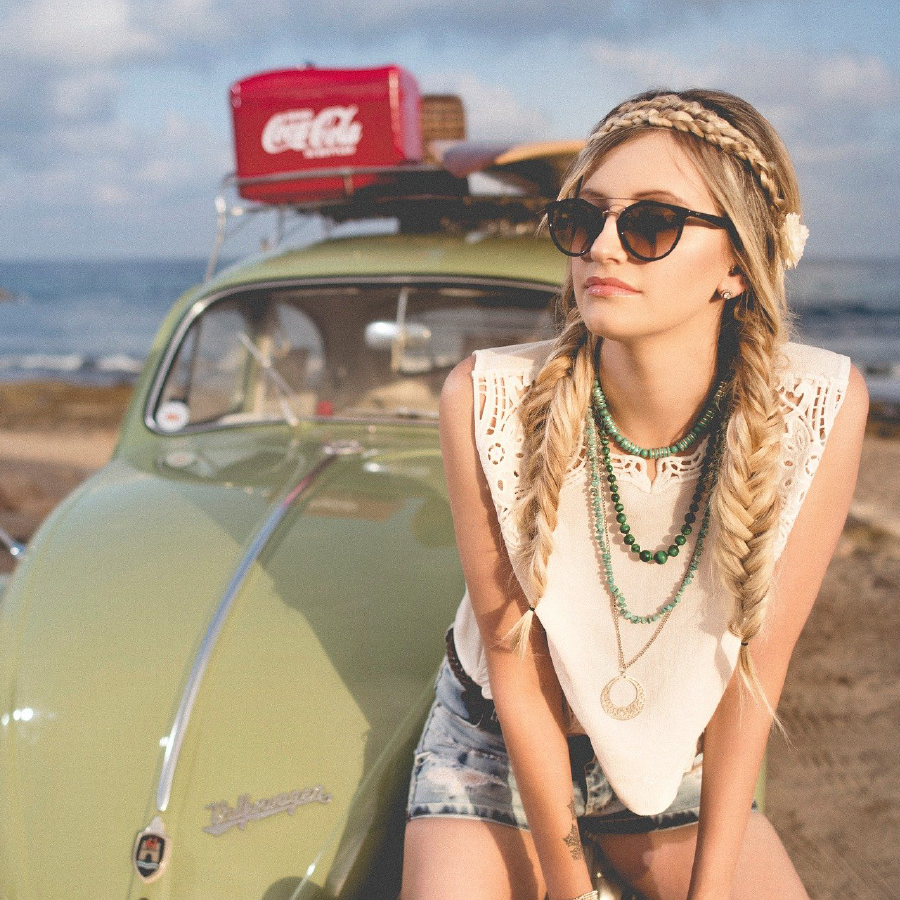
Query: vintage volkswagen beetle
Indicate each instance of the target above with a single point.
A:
(217, 654)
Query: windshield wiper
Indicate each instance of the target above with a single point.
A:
(284, 389)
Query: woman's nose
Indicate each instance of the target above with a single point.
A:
(607, 244)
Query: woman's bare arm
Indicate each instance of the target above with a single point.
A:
(526, 691)
(736, 736)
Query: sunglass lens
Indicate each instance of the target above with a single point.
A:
(650, 230)
(572, 225)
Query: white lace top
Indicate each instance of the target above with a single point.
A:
(686, 669)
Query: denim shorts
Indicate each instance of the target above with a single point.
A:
(462, 770)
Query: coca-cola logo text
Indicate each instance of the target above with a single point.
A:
(330, 132)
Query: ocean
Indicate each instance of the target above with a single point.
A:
(93, 322)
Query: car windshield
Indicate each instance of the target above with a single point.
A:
(342, 350)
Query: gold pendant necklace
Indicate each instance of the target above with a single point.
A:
(622, 712)
(629, 710)
(598, 508)
(636, 704)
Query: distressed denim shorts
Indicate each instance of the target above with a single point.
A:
(462, 770)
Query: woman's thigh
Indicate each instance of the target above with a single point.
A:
(446, 858)
(658, 864)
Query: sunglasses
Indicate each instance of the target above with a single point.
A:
(648, 229)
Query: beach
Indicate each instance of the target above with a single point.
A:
(833, 795)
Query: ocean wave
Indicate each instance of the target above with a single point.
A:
(70, 366)
(120, 363)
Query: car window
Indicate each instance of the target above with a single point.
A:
(361, 350)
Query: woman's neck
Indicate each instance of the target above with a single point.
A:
(656, 393)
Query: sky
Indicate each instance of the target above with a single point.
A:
(115, 128)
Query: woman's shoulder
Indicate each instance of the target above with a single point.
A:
(520, 359)
(515, 365)
(808, 362)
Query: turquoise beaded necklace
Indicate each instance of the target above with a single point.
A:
(610, 431)
(705, 484)
(701, 426)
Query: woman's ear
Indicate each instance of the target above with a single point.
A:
(733, 284)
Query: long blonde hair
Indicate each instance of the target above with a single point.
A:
(749, 174)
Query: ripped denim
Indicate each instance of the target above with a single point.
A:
(462, 770)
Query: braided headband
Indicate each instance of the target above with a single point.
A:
(691, 117)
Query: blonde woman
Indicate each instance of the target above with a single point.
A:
(645, 509)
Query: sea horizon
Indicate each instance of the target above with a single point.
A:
(92, 320)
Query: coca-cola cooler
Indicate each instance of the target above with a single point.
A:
(304, 120)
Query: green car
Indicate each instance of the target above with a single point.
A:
(216, 656)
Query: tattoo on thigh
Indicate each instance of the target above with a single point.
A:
(573, 839)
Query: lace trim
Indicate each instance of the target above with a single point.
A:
(809, 404)
(499, 438)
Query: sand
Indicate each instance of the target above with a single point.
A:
(833, 796)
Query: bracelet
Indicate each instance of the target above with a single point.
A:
(590, 895)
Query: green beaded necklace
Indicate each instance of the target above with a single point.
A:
(660, 556)
(701, 426)
(706, 480)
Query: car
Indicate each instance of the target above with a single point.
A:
(217, 654)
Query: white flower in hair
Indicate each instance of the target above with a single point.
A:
(793, 239)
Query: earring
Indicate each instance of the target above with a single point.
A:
(726, 295)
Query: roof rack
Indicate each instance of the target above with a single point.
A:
(422, 197)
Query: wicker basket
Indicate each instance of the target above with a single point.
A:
(443, 118)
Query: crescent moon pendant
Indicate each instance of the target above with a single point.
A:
(622, 712)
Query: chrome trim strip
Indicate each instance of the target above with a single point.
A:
(200, 305)
(192, 688)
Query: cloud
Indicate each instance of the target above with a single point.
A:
(492, 111)
(36, 106)
(823, 79)
(118, 163)
(59, 33)
(824, 104)
(857, 81)
(501, 20)
(116, 188)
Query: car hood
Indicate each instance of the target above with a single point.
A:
(314, 685)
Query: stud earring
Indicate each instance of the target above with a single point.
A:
(726, 295)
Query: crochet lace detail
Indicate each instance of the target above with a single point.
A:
(498, 431)
(809, 405)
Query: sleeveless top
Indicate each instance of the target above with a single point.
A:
(686, 669)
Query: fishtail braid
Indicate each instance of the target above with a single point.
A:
(551, 413)
(745, 501)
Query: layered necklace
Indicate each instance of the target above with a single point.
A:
(709, 420)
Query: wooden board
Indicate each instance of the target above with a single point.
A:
(536, 167)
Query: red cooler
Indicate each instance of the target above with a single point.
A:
(303, 120)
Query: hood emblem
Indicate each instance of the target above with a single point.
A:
(223, 816)
(151, 851)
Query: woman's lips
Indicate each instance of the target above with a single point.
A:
(608, 287)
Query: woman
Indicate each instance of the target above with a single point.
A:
(644, 509)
